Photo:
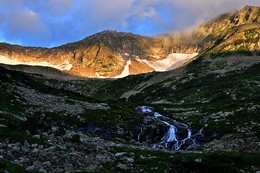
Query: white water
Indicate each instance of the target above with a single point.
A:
(171, 139)
(65, 65)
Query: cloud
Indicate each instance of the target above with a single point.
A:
(24, 22)
(19, 24)
(193, 12)
(54, 22)
(54, 8)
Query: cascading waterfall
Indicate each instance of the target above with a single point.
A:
(177, 136)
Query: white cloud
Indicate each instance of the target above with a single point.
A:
(197, 11)
(52, 22)
(24, 22)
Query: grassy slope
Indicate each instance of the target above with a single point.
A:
(207, 93)
(157, 161)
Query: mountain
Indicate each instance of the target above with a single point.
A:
(200, 117)
(105, 54)
(118, 54)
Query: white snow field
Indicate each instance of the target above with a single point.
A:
(65, 65)
(171, 62)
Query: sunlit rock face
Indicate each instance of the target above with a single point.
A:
(107, 54)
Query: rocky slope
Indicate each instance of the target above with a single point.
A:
(118, 54)
(238, 30)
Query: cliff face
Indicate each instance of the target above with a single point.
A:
(110, 53)
(233, 31)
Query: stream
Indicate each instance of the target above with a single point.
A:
(170, 134)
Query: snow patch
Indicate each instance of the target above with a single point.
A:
(171, 62)
(65, 65)
(156, 56)
(125, 72)
(99, 76)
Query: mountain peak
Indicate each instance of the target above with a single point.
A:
(248, 14)
(250, 8)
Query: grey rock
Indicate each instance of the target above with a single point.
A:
(51, 149)
(62, 147)
(68, 167)
(142, 157)
(51, 136)
(35, 150)
(102, 158)
(122, 166)
(16, 148)
(37, 136)
(130, 160)
(42, 170)
(219, 147)
(30, 168)
(26, 144)
(40, 147)
(25, 149)
(120, 154)
(44, 134)
(47, 163)
(198, 160)
(37, 164)
(16, 161)
(34, 145)
(22, 160)
(1, 157)
(92, 168)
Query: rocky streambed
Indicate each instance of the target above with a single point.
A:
(166, 133)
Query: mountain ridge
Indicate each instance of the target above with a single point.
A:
(106, 54)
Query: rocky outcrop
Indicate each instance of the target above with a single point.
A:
(228, 30)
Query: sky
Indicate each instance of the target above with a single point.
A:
(50, 23)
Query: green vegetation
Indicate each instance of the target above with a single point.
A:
(118, 114)
(115, 88)
(240, 51)
(19, 136)
(157, 161)
(11, 168)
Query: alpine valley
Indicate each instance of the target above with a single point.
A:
(120, 102)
